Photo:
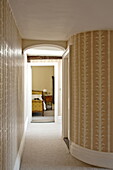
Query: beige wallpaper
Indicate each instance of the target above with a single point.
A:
(42, 78)
(91, 66)
(11, 88)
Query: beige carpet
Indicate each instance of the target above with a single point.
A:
(45, 150)
(42, 119)
(47, 118)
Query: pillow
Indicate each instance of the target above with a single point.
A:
(37, 96)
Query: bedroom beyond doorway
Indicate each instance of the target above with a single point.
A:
(43, 94)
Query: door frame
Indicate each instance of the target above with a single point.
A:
(66, 94)
(30, 65)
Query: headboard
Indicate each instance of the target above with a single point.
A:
(37, 94)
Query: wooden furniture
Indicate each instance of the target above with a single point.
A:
(37, 106)
(37, 102)
(48, 101)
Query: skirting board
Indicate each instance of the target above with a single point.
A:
(100, 159)
(19, 155)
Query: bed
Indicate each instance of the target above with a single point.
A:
(37, 102)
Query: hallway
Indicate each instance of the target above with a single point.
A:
(45, 150)
(80, 32)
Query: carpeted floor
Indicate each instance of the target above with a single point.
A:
(47, 118)
(42, 119)
(45, 150)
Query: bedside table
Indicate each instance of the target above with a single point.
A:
(48, 101)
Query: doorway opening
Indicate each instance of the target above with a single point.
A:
(43, 102)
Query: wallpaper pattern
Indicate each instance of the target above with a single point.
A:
(91, 64)
(11, 88)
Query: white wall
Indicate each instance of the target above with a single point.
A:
(27, 92)
(42, 78)
(60, 88)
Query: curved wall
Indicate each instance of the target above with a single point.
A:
(91, 72)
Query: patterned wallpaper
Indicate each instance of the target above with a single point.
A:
(11, 88)
(91, 65)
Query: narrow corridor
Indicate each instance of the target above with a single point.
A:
(45, 150)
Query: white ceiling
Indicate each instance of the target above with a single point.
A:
(59, 19)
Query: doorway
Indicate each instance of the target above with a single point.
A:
(43, 94)
(42, 50)
(57, 87)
